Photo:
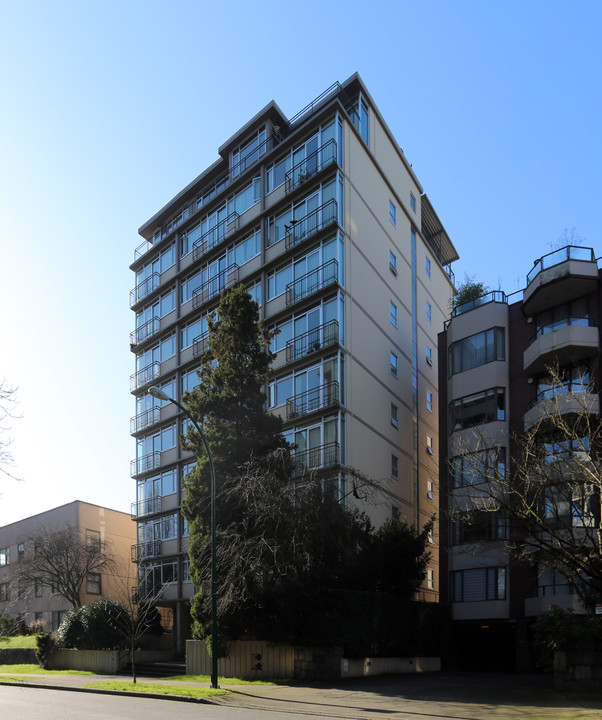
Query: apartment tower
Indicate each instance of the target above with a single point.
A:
(324, 221)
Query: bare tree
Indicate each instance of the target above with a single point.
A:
(8, 412)
(546, 504)
(61, 558)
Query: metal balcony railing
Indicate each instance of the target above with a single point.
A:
(146, 593)
(303, 171)
(145, 463)
(145, 419)
(148, 506)
(322, 456)
(312, 341)
(570, 252)
(144, 287)
(310, 224)
(214, 286)
(144, 550)
(317, 398)
(146, 330)
(200, 344)
(321, 277)
(145, 376)
(214, 236)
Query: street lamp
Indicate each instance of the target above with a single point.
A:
(160, 395)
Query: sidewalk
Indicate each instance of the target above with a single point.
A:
(457, 696)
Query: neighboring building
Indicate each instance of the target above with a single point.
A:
(323, 219)
(493, 376)
(94, 523)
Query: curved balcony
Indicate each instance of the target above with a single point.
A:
(568, 341)
(560, 277)
(563, 400)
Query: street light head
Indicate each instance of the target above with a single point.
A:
(158, 393)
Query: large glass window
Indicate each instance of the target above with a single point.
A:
(572, 313)
(478, 467)
(479, 526)
(245, 155)
(245, 250)
(163, 528)
(482, 407)
(4, 556)
(479, 584)
(475, 350)
(569, 380)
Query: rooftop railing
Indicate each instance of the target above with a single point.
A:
(321, 277)
(493, 296)
(570, 252)
(305, 227)
(312, 340)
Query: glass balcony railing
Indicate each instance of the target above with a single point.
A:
(494, 296)
(323, 276)
(144, 288)
(312, 340)
(310, 224)
(145, 331)
(303, 171)
(317, 398)
(145, 463)
(570, 252)
(148, 506)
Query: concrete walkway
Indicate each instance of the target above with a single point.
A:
(433, 696)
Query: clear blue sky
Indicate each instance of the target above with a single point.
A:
(109, 109)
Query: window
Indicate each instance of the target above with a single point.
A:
(93, 538)
(431, 536)
(93, 584)
(429, 401)
(4, 556)
(477, 467)
(395, 514)
(392, 213)
(394, 364)
(245, 155)
(429, 312)
(575, 379)
(394, 415)
(478, 527)
(38, 590)
(479, 584)
(57, 618)
(393, 313)
(38, 617)
(476, 350)
(430, 489)
(393, 262)
(427, 268)
(429, 444)
(278, 280)
(20, 550)
(4, 592)
(478, 409)
(429, 355)
(394, 466)
(413, 202)
(572, 313)
(430, 578)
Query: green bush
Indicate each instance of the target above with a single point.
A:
(558, 629)
(92, 627)
(46, 645)
(8, 625)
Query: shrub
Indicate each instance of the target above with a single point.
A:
(46, 645)
(558, 629)
(92, 627)
(8, 625)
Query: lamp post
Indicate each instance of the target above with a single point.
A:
(160, 395)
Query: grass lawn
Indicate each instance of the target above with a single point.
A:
(37, 670)
(156, 688)
(225, 680)
(18, 641)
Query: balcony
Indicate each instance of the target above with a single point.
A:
(494, 296)
(214, 286)
(145, 419)
(560, 277)
(145, 463)
(214, 236)
(146, 593)
(567, 341)
(563, 596)
(148, 506)
(319, 398)
(144, 288)
(145, 331)
(310, 342)
(303, 171)
(323, 276)
(200, 344)
(316, 458)
(564, 400)
(145, 376)
(310, 224)
(146, 550)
